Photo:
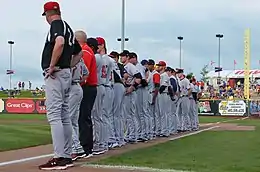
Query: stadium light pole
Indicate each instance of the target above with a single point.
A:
(219, 36)
(11, 43)
(180, 38)
(123, 39)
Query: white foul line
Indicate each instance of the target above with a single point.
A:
(133, 168)
(25, 160)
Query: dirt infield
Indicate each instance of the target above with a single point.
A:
(233, 127)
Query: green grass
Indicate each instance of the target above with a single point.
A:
(210, 151)
(24, 94)
(212, 119)
(22, 117)
(18, 133)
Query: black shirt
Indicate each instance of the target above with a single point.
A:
(71, 46)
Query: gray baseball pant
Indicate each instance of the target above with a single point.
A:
(97, 118)
(108, 116)
(147, 116)
(154, 115)
(174, 124)
(183, 109)
(130, 116)
(164, 113)
(76, 95)
(194, 115)
(58, 112)
(140, 125)
(118, 125)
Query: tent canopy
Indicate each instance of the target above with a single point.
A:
(234, 74)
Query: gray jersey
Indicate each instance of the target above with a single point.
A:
(101, 69)
(131, 70)
(141, 69)
(79, 71)
(111, 65)
(164, 80)
(192, 87)
(150, 80)
(184, 87)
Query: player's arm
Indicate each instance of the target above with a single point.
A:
(76, 54)
(156, 81)
(57, 37)
(85, 71)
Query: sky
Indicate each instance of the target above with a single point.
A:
(152, 27)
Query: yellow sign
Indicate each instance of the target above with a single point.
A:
(247, 63)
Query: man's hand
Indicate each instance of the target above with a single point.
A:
(129, 90)
(50, 71)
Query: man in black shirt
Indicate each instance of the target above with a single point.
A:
(119, 90)
(61, 51)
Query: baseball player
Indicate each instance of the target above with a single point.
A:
(164, 100)
(107, 112)
(142, 113)
(97, 115)
(119, 91)
(173, 120)
(183, 106)
(194, 107)
(153, 90)
(61, 51)
(132, 80)
(79, 74)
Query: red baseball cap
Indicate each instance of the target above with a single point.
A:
(161, 63)
(101, 41)
(50, 6)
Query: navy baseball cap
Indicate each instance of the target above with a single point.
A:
(113, 54)
(144, 62)
(168, 69)
(124, 53)
(151, 62)
(179, 71)
(132, 55)
(92, 42)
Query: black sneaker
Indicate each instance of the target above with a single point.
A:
(54, 164)
(78, 156)
(69, 162)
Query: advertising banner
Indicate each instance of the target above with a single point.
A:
(19, 106)
(40, 106)
(207, 107)
(232, 108)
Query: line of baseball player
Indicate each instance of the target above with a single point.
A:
(135, 102)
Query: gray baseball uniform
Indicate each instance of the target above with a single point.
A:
(97, 111)
(108, 102)
(119, 92)
(130, 105)
(174, 118)
(183, 106)
(76, 94)
(142, 113)
(154, 122)
(164, 105)
(194, 109)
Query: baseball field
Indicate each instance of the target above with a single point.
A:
(222, 145)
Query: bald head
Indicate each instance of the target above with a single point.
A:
(81, 36)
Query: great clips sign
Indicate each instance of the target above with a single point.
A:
(22, 106)
(19, 106)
